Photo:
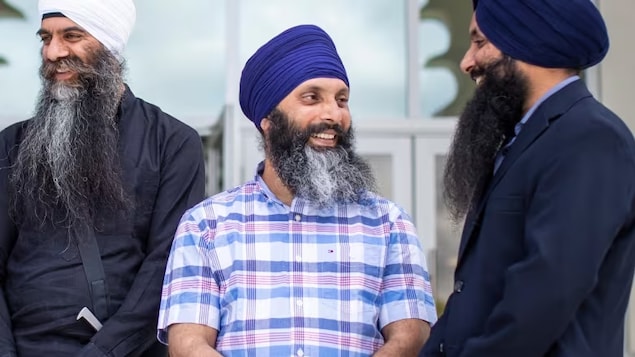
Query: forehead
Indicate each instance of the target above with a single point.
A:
(474, 29)
(323, 84)
(59, 23)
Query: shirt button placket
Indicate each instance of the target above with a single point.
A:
(297, 304)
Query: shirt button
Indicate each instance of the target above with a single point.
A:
(458, 286)
(298, 258)
(298, 218)
(300, 353)
(299, 303)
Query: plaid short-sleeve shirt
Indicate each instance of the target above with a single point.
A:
(305, 281)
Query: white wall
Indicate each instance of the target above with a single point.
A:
(617, 78)
(617, 75)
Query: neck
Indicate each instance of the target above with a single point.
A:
(273, 181)
(541, 80)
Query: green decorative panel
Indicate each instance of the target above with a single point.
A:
(7, 11)
(456, 16)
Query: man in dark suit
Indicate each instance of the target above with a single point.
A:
(544, 176)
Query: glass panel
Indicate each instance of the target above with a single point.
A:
(443, 41)
(370, 36)
(19, 46)
(448, 238)
(382, 169)
(175, 59)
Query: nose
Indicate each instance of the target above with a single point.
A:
(467, 63)
(334, 112)
(54, 50)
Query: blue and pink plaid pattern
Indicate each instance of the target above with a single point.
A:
(294, 281)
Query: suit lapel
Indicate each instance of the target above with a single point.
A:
(552, 108)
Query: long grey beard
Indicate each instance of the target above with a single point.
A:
(68, 165)
(325, 176)
(332, 177)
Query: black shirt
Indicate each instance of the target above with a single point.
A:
(43, 285)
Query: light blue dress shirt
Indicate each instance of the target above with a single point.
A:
(501, 153)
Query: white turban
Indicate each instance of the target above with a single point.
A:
(109, 21)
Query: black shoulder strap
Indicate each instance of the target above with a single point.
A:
(94, 270)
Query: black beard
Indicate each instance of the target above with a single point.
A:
(325, 176)
(68, 169)
(488, 120)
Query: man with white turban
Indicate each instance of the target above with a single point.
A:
(91, 191)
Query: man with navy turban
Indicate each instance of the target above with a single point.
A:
(544, 177)
(91, 191)
(305, 259)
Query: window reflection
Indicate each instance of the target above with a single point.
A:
(176, 56)
(443, 42)
(370, 36)
(175, 59)
(19, 46)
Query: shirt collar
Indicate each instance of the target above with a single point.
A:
(127, 101)
(544, 97)
(263, 186)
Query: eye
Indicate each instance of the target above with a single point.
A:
(342, 100)
(310, 97)
(479, 43)
(45, 39)
(72, 36)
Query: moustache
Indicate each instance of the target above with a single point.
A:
(476, 73)
(318, 128)
(341, 135)
(489, 70)
(73, 64)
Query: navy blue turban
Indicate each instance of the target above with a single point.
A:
(546, 33)
(294, 56)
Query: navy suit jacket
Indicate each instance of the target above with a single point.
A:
(547, 254)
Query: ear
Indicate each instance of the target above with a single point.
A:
(265, 125)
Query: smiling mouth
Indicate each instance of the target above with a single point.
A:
(477, 75)
(323, 136)
(61, 74)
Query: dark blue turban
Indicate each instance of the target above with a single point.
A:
(546, 33)
(280, 65)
